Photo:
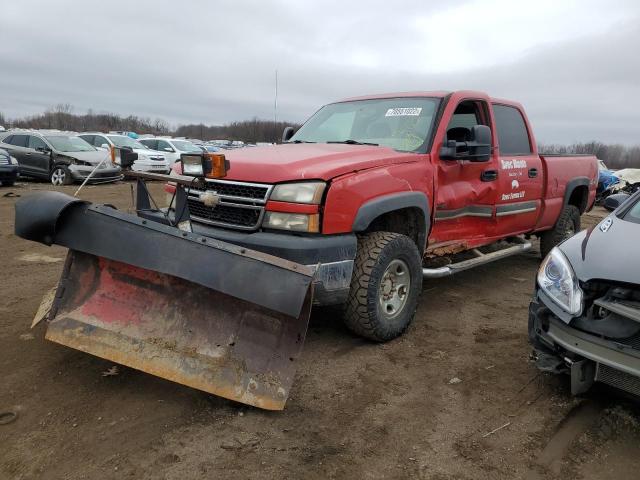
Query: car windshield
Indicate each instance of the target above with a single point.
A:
(633, 214)
(122, 141)
(69, 144)
(403, 124)
(184, 146)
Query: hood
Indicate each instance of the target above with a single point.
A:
(94, 157)
(303, 161)
(607, 255)
(631, 175)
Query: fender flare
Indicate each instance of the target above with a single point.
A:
(372, 209)
(571, 186)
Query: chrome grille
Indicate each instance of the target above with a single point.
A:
(241, 204)
(4, 160)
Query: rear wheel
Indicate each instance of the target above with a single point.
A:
(567, 225)
(60, 175)
(385, 286)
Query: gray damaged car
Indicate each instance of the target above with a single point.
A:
(584, 318)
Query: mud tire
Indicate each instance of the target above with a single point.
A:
(568, 222)
(376, 252)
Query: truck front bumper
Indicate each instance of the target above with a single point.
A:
(331, 255)
(586, 357)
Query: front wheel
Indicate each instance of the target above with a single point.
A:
(60, 175)
(385, 286)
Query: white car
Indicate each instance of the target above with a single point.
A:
(148, 160)
(171, 148)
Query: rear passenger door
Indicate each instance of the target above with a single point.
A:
(520, 177)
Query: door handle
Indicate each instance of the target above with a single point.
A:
(489, 176)
(533, 172)
(28, 153)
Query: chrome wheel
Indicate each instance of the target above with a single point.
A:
(394, 289)
(58, 176)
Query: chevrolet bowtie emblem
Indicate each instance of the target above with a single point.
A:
(210, 198)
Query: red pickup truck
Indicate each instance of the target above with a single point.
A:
(378, 192)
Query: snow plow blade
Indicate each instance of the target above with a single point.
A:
(204, 313)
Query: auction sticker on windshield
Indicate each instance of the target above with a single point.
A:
(403, 112)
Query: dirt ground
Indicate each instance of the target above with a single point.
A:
(357, 409)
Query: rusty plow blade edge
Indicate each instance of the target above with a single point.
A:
(178, 330)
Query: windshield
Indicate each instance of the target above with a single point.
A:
(120, 141)
(633, 213)
(184, 146)
(69, 144)
(403, 124)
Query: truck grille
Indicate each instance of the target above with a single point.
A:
(241, 204)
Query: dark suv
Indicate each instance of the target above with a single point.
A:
(58, 157)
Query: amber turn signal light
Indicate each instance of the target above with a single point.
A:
(216, 165)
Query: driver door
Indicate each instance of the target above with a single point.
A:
(466, 194)
(38, 155)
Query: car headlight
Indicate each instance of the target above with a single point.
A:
(558, 280)
(298, 222)
(302, 192)
(13, 161)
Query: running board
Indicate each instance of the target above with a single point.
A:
(481, 259)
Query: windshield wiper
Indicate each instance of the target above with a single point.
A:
(299, 141)
(353, 142)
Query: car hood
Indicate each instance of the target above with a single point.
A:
(94, 157)
(605, 253)
(289, 162)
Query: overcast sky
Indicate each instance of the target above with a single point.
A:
(575, 65)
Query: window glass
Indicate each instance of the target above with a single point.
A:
(186, 146)
(513, 138)
(122, 141)
(19, 140)
(8, 139)
(152, 144)
(98, 141)
(36, 142)
(66, 143)
(402, 123)
(162, 145)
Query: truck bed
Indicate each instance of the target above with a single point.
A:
(563, 171)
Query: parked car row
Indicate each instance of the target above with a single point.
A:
(59, 157)
(66, 157)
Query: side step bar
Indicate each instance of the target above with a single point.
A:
(481, 259)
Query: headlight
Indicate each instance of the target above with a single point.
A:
(192, 165)
(299, 222)
(303, 192)
(558, 280)
(13, 161)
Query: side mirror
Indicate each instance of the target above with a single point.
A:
(477, 149)
(614, 201)
(287, 134)
(168, 149)
(105, 145)
(43, 150)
